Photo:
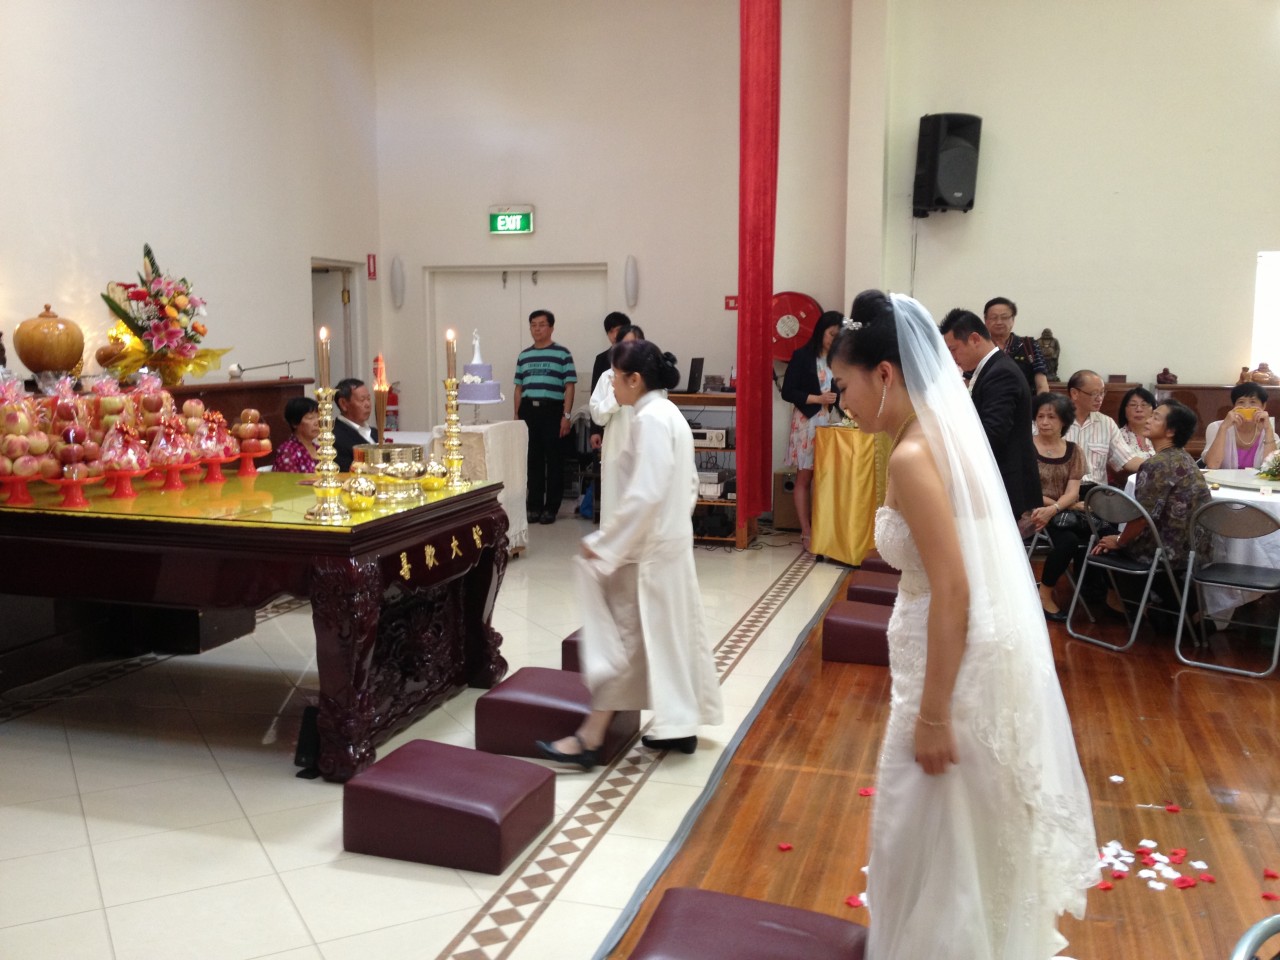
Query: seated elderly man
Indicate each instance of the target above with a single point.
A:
(1095, 433)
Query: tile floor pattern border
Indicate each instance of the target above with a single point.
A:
(13, 709)
(500, 925)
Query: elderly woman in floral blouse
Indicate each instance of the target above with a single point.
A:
(1170, 488)
(298, 453)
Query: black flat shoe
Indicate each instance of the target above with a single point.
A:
(683, 744)
(1059, 617)
(586, 759)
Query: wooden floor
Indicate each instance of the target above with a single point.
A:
(1205, 742)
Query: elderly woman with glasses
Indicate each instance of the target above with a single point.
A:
(1245, 437)
(1135, 407)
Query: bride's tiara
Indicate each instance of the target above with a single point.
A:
(848, 323)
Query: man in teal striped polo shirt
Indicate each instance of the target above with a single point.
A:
(544, 401)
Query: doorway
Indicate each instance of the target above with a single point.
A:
(495, 302)
(337, 305)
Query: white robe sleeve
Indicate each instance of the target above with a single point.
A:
(648, 486)
(603, 403)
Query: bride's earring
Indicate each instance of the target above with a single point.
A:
(883, 393)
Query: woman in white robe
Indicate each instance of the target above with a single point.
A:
(616, 419)
(644, 641)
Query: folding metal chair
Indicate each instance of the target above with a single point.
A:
(1231, 520)
(1041, 539)
(1114, 506)
(1249, 946)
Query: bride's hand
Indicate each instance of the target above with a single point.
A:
(935, 747)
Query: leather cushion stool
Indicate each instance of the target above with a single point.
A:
(874, 563)
(537, 703)
(570, 658)
(856, 632)
(871, 587)
(449, 806)
(692, 924)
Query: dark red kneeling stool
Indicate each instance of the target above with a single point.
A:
(856, 632)
(871, 587)
(570, 652)
(874, 563)
(449, 806)
(692, 924)
(537, 703)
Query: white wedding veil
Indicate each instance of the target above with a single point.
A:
(1025, 720)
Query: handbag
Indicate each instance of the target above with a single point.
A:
(1070, 520)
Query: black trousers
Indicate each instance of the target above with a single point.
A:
(546, 454)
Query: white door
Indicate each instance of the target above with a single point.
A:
(496, 303)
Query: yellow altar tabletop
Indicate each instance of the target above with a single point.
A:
(277, 500)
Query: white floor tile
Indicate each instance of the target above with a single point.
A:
(359, 894)
(156, 807)
(105, 738)
(165, 863)
(41, 826)
(611, 874)
(234, 921)
(36, 745)
(656, 812)
(566, 930)
(418, 940)
(246, 739)
(262, 788)
(82, 936)
(302, 837)
(47, 885)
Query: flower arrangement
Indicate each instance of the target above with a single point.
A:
(159, 326)
(1270, 469)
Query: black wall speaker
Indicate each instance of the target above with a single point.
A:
(946, 162)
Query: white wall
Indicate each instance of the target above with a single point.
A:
(236, 137)
(1126, 178)
(618, 122)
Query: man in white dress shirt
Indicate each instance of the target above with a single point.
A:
(351, 425)
(1097, 434)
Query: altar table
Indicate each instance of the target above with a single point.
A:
(848, 485)
(402, 597)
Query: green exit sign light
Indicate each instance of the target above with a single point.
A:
(511, 220)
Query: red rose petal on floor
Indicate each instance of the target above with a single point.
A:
(1208, 878)
(853, 901)
(1268, 895)
(1173, 808)
(1119, 874)
(867, 792)
(1149, 860)
(1106, 885)
(1270, 874)
(1184, 883)
(784, 847)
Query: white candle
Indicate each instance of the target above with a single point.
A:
(324, 358)
(451, 354)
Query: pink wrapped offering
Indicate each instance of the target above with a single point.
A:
(213, 441)
(112, 406)
(124, 450)
(172, 445)
(153, 404)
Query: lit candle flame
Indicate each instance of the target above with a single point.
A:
(379, 373)
(324, 333)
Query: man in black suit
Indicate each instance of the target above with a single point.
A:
(1003, 400)
(351, 425)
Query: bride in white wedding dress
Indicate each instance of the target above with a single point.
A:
(982, 834)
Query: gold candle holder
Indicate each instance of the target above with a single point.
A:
(328, 507)
(453, 437)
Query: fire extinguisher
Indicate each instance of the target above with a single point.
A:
(393, 406)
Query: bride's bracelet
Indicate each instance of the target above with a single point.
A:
(933, 723)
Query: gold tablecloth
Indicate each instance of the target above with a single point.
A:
(849, 469)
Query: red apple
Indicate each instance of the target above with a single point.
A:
(97, 434)
(264, 431)
(92, 450)
(193, 408)
(152, 431)
(75, 434)
(15, 420)
(29, 466)
(250, 445)
(109, 420)
(75, 471)
(95, 468)
(71, 453)
(6, 466)
(264, 446)
(111, 404)
(249, 415)
(47, 466)
(152, 402)
(39, 441)
(64, 410)
(151, 419)
(14, 445)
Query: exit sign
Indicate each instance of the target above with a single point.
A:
(509, 220)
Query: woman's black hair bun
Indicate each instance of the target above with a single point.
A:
(670, 372)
